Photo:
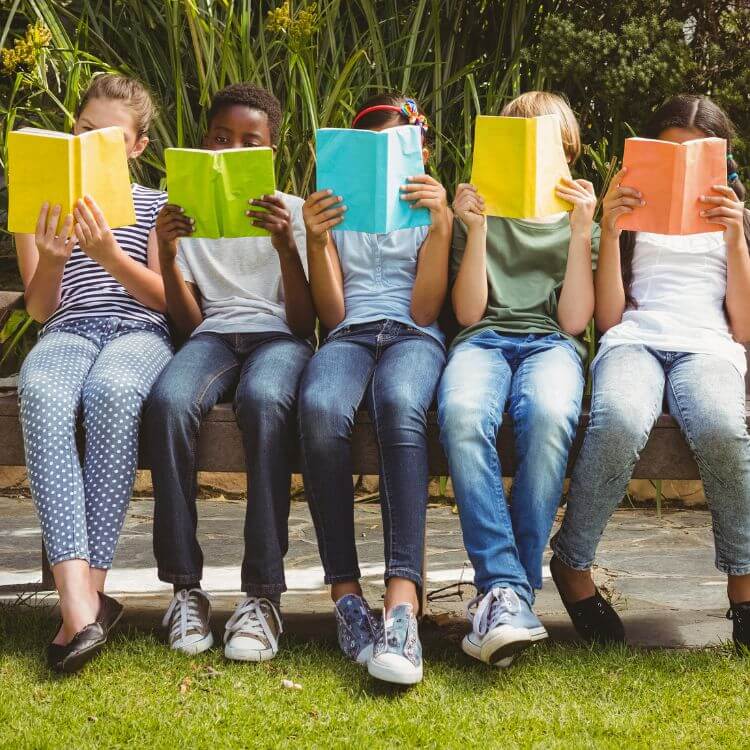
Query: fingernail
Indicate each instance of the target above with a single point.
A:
(328, 192)
(339, 197)
(643, 203)
(182, 210)
(703, 213)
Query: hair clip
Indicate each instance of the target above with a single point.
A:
(732, 177)
(410, 110)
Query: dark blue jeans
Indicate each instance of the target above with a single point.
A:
(263, 373)
(394, 370)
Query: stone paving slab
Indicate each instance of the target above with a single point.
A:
(658, 571)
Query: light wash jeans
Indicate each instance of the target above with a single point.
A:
(541, 376)
(706, 395)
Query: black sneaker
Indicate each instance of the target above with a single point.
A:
(739, 614)
(594, 618)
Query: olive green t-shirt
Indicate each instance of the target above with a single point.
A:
(526, 264)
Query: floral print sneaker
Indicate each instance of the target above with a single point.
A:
(357, 627)
(397, 655)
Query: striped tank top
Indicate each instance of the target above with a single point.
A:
(88, 291)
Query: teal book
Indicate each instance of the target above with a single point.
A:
(367, 168)
(214, 187)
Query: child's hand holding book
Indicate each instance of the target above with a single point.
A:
(171, 224)
(469, 207)
(93, 233)
(54, 248)
(275, 219)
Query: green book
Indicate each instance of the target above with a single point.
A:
(214, 187)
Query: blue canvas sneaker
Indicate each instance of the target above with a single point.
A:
(502, 625)
(397, 656)
(357, 627)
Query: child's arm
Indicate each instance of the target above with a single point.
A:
(41, 261)
(609, 291)
(95, 238)
(576, 305)
(300, 312)
(729, 211)
(322, 211)
(182, 297)
(431, 282)
(470, 290)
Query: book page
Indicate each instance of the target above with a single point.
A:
(403, 159)
(242, 174)
(346, 163)
(651, 168)
(551, 167)
(39, 171)
(191, 184)
(705, 165)
(104, 175)
(500, 166)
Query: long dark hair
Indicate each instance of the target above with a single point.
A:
(685, 111)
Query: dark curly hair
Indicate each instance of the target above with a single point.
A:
(254, 97)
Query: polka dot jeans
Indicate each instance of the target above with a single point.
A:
(102, 368)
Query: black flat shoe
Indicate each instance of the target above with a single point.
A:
(110, 612)
(739, 614)
(84, 646)
(594, 618)
(55, 653)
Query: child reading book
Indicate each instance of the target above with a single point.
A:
(104, 342)
(673, 309)
(379, 296)
(245, 305)
(522, 291)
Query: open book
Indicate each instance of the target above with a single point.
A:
(518, 162)
(214, 187)
(367, 168)
(672, 177)
(59, 168)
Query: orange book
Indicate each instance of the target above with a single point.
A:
(672, 177)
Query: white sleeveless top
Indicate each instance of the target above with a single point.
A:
(679, 284)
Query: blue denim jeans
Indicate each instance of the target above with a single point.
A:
(102, 368)
(394, 369)
(706, 395)
(540, 377)
(261, 372)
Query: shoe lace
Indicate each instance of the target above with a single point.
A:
(487, 611)
(183, 612)
(250, 619)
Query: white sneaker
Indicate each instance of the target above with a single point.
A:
(252, 632)
(188, 619)
(502, 625)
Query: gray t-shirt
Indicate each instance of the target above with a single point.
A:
(239, 279)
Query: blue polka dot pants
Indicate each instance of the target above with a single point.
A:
(101, 369)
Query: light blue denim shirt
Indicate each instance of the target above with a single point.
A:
(379, 272)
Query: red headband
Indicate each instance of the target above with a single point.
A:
(408, 109)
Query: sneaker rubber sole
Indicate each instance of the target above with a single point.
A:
(197, 647)
(394, 671)
(474, 650)
(507, 642)
(238, 654)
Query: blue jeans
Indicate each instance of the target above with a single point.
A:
(706, 395)
(394, 369)
(541, 377)
(261, 371)
(104, 369)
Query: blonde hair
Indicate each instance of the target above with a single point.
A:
(123, 89)
(535, 103)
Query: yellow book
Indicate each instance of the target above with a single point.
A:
(59, 168)
(518, 162)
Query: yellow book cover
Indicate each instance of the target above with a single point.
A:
(517, 163)
(60, 168)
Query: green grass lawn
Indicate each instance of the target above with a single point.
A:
(138, 694)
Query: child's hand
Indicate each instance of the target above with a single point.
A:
(54, 248)
(171, 224)
(94, 235)
(468, 205)
(618, 201)
(424, 191)
(581, 194)
(729, 211)
(276, 220)
(322, 211)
